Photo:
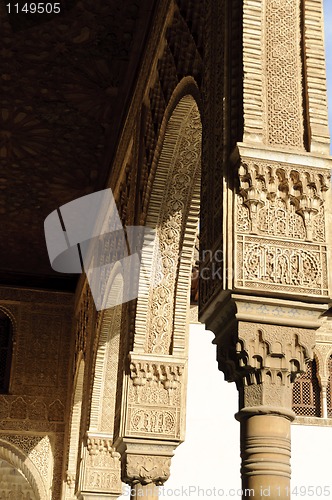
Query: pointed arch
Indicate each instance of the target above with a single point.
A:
(173, 211)
(20, 461)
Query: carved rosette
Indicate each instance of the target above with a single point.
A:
(280, 224)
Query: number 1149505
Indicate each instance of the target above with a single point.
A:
(34, 8)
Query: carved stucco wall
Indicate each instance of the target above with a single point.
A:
(280, 227)
(75, 428)
(13, 484)
(32, 415)
(100, 470)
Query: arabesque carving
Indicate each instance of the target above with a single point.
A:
(154, 397)
(168, 374)
(280, 225)
(146, 469)
(264, 360)
(177, 185)
(101, 465)
(283, 67)
(283, 200)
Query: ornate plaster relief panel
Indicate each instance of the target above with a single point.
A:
(38, 456)
(155, 397)
(101, 466)
(280, 226)
(32, 416)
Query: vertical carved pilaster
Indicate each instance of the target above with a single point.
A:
(315, 77)
(275, 228)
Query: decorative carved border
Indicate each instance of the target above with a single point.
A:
(315, 74)
(169, 211)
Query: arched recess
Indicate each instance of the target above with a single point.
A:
(75, 424)
(19, 460)
(106, 365)
(7, 342)
(173, 211)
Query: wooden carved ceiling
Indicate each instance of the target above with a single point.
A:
(65, 82)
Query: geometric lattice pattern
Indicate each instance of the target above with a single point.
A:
(329, 390)
(306, 393)
(283, 73)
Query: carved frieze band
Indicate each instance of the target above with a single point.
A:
(280, 225)
(316, 76)
(154, 399)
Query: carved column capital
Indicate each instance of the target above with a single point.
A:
(147, 469)
(145, 461)
(262, 344)
(266, 360)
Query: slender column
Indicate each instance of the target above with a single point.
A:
(265, 452)
(145, 491)
(263, 360)
(324, 401)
